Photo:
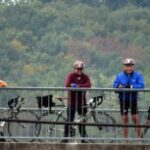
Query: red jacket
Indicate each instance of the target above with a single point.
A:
(77, 97)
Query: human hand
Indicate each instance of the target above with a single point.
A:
(128, 86)
(120, 86)
(74, 85)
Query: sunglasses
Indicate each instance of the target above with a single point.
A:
(129, 65)
(79, 68)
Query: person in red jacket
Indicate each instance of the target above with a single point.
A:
(76, 99)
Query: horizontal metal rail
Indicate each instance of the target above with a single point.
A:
(61, 108)
(75, 89)
(75, 123)
(51, 126)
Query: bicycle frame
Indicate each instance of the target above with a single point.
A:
(12, 109)
(91, 112)
(147, 123)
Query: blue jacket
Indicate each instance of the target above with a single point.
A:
(134, 80)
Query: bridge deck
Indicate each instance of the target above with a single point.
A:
(72, 146)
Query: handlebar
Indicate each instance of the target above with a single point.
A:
(96, 101)
(15, 102)
(47, 101)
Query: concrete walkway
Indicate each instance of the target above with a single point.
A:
(73, 146)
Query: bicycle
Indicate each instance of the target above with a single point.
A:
(29, 132)
(146, 131)
(56, 132)
(18, 131)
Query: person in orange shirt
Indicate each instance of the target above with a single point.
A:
(3, 83)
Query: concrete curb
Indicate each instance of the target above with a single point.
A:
(71, 146)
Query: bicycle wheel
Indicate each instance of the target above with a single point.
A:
(146, 132)
(52, 132)
(3, 131)
(103, 133)
(4, 126)
(26, 132)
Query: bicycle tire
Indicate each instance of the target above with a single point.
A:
(4, 128)
(146, 132)
(97, 133)
(3, 132)
(24, 132)
(52, 132)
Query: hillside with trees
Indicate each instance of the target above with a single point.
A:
(40, 40)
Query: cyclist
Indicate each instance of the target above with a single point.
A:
(76, 99)
(3, 83)
(129, 78)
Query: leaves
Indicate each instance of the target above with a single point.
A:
(40, 40)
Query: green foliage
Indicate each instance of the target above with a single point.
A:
(40, 40)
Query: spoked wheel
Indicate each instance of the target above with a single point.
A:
(3, 131)
(52, 132)
(101, 133)
(26, 132)
(146, 132)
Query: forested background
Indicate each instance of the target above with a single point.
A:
(40, 39)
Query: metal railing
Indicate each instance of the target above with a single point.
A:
(41, 114)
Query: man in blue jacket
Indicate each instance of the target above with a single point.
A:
(129, 78)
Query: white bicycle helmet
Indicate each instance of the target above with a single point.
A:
(129, 61)
(79, 64)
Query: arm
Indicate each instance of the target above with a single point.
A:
(116, 82)
(87, 83)
(140, 82)
(68, 81)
